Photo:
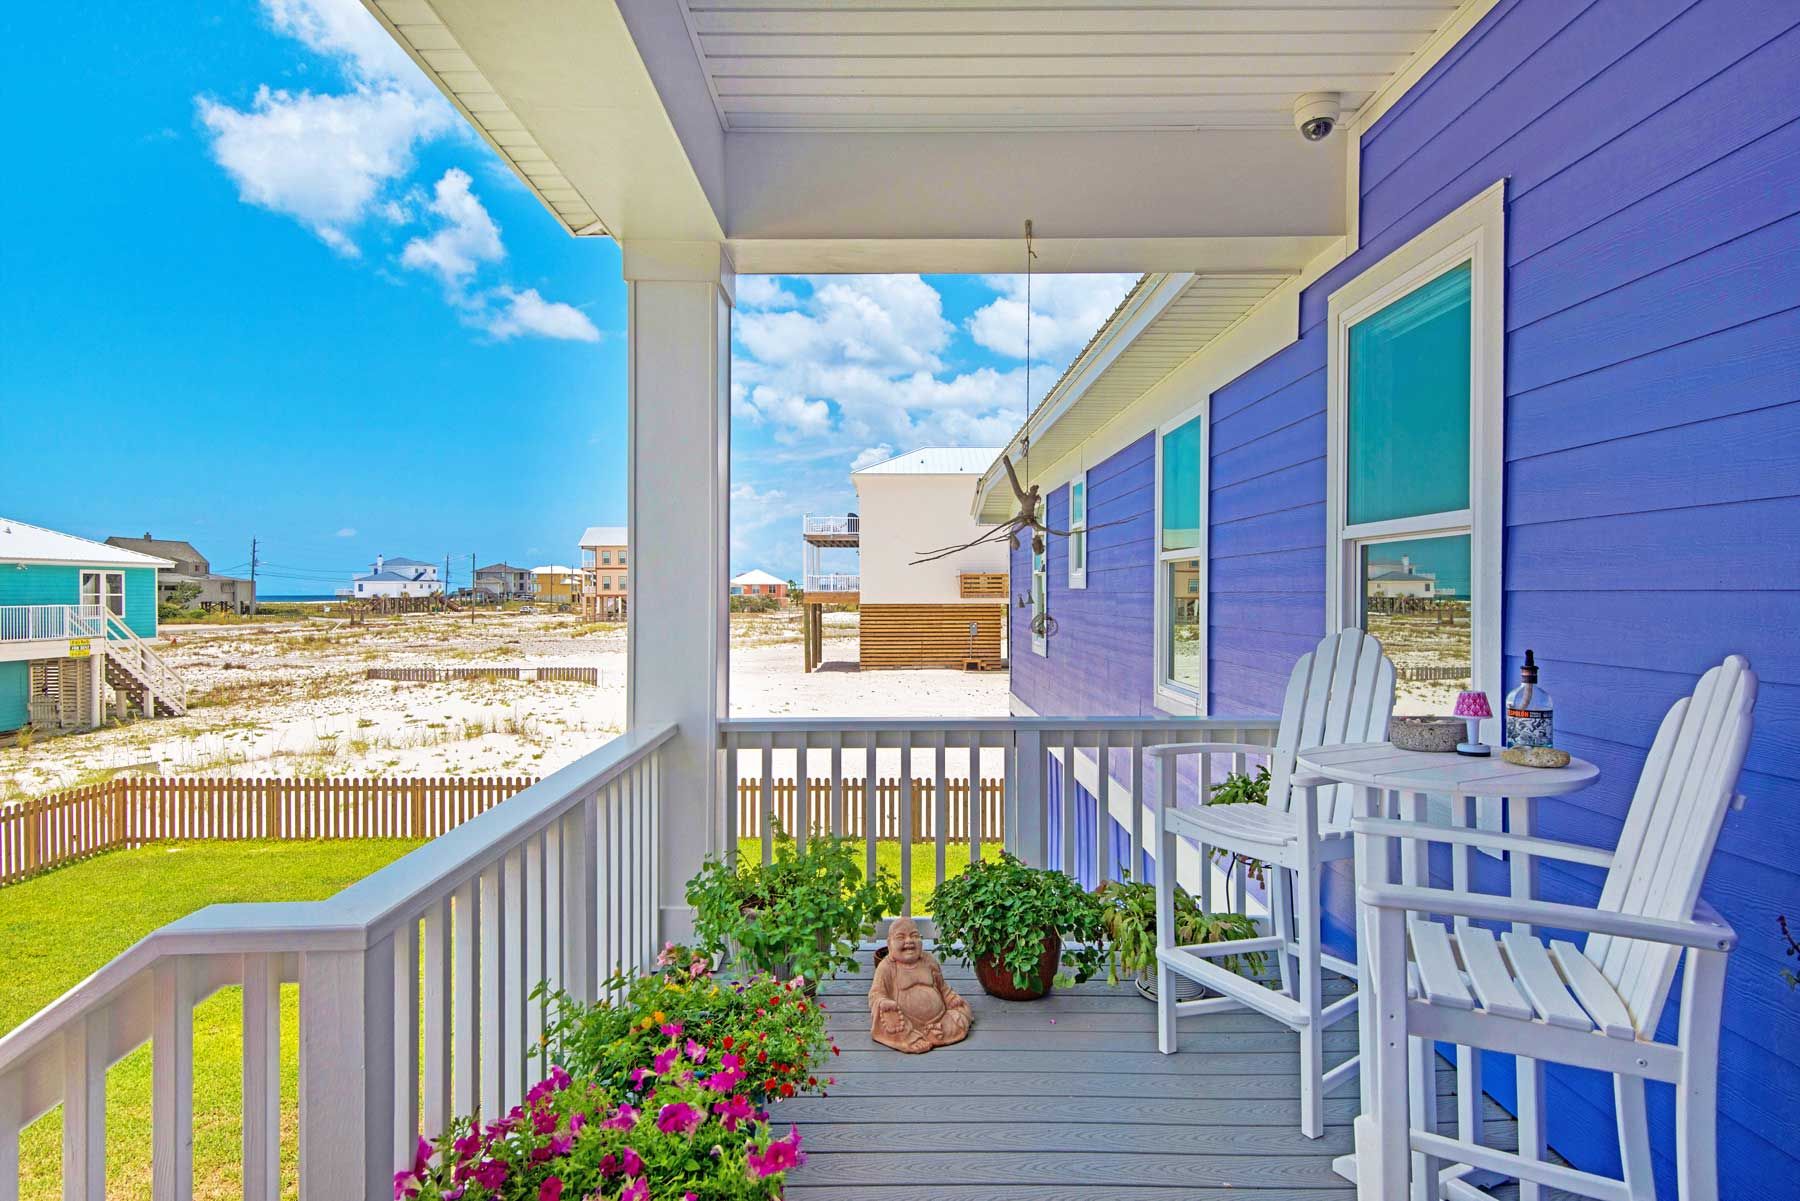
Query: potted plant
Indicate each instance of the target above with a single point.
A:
(1128, 915)
(1014, 924)
(802, 914)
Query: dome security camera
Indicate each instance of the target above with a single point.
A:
(1316, 115)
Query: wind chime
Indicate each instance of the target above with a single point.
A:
(1030, 515)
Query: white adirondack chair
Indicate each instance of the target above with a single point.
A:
(1594, 1006)
(1341, 692)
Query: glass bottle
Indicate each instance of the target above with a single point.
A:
(1529, 709)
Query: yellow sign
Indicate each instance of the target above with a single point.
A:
(78, 648)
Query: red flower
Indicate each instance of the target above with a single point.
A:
(762, 1057)
(729, 1042)
(787, 1090)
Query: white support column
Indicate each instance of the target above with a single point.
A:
(681, 295)
(96, 714)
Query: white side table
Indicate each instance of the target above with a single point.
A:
(1379, 771)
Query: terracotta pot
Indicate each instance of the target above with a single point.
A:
(996, 981)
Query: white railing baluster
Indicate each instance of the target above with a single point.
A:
(1205, 798)
(940, 808)
(1068, 803)
(262, 1077)
(406, 1043)
(653, 857)
(802, 794)
(555, 973)
(84, 1108)
(734, 793)
(837, 783)
(871, 804)
(1107, 866)
(493, 991)
(468, 998)
(1028, 800)
(347, 1073)
(907, 792)
(10, 1122)
(581, 939)
(536, 970)
(767, 800)
(1137, 805)
(437, 1106)
(172, 1082)
(977, 797)
(513, 905)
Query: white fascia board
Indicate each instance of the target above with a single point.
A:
(1120, 332)
(987, 253)
(1271, 324)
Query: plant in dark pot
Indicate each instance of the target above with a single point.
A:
(801, 914)
(1015, 924)
(1128, 915)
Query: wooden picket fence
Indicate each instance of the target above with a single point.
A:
(66, 827)
(889, 796)
(1434, 674)
(431, 675)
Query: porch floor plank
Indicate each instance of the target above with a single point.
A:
(1067, 1099)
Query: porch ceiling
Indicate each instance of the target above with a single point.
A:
(1060, 64)
(870, 136)
(1160, 324)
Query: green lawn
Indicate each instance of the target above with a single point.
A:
(60, 927)
(924, 863)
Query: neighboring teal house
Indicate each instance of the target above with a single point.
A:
(75, 620)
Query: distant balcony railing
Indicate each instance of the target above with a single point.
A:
(34, 623)
(833, 583)
(831, 525)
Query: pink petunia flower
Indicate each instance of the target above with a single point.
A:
(490, 1173)
(633, 1165)
(783, 1155)
(551, 1189)
(671, 1029)
(664, 1058)
(678, 1118)
(636, 1190)
(624, 1118)
(695, 1051)
(732, 1110)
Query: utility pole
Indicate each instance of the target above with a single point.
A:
(474, 596)
(253, 577)
(446, 589)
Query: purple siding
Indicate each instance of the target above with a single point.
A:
(1652, 504)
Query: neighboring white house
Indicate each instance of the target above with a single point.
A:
(916, 502)
(1405, 579)
(951, 611)
(396, 577)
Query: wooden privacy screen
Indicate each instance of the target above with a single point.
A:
(931, 635)
(49, 831)
(983, 585)
(889, 795)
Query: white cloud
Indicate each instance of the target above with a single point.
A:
(347, 532)
(324, 159)
(525, 312)
(763, 292)
(1065, 312)
(870, 455)
(319, 159)
(465, 238)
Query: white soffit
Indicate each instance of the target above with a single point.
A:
(1164, 321)
(939, 65)
(415, 25)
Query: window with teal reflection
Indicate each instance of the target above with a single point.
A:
(1408, 377)
(1181, 448)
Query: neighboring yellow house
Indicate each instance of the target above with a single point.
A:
(603, 573)
(555, 584)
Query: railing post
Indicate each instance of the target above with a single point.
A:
(580, 925)
(347, 1073)
(1027, 829)
(172, 1083)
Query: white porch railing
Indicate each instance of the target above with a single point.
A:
(557, 884)
(835, 762)
(828, 525)
(832, 583)
(123, 643)
(31, 623)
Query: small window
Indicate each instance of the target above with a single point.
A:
(621, 557)
(1181, 566)
(606, 581)
(1078, 519)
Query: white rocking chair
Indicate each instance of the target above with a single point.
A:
(1341, 692)
(1594, 1006)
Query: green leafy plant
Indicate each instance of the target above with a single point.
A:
(1128, 914)
(802, 914)
(1004, 910)
(1243, 788)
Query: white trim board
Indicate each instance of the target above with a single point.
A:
(1476, 234)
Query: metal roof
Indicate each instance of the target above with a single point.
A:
(23, 543)
(398, 561)
(604, 535)
(755, 576)
(935, 460)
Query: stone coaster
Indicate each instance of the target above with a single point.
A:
(1535, 756)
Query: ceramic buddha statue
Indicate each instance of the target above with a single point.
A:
(911, 1007)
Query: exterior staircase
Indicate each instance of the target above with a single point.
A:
(137, 672)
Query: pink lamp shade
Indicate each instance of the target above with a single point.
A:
(1473, 704)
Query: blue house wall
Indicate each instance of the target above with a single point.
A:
(60, 584)
(1652, 462)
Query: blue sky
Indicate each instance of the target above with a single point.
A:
(261, 281)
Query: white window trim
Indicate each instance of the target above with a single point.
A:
(1170, 696)
(1078, 529)
(1040, 587)
(1475, 234)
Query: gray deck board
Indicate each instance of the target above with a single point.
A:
(1066, 1099)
